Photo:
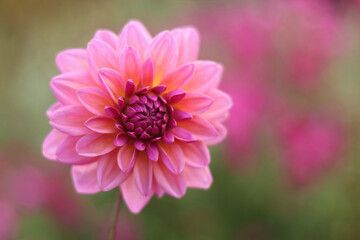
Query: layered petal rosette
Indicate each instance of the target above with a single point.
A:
(137, 112)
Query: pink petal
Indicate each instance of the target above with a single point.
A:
(101, 124)
(132, 197)
(152, 151)
(164, 52)
(95, 144)
(134, 34)
(188, 42)
(126, 157)
(198, 177)
(71, 119)
(159, 89)
(65, 86)
(130, 64)
(172, 184)
(109, 174)
(107, 36)
(221, 106)
(139, 145)
(53, 108)
(143, 173)
(196, 154)
(221, 134)
(148, 73)
(84, 178)
(206, 75)
(51, 144)
(201, 129)
(179, 115)
(178, 77)
(158, 190)
(175, 96)
(94, 99)
(72, 60)
(66, 152)
(194, 103)
(130, 88)
(172, 156)
(168, 137)
(121, 139)
(101, 55)
(112, 82)
(182, 134)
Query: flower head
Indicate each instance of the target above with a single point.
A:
(137, 112)
(312, 144)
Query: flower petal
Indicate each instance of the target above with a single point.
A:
(152, 151)
(134, 34)
(84, 178)
(95, 144)
(107, 36)
(53, 108)
(143, 173)
(221, 106)
(51, 144)
(65, 86)
(130, 65)
(112, 82)
(126, 157)
(109, 174)
(94, 99)
(172, 156)
(148, 73)
(173, 184)
(188, 42)
(101, 55)
(196, 154)
(71, 119)
(194, 103)
(101, 124)
(132, 197)
(178, 77)
(200, 128)
(163, 50)
(182, 134)
(72, 60)
(206, 75)
(198, 177)
(221, 134)
(66, 152)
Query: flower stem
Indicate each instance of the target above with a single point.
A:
(116, 217)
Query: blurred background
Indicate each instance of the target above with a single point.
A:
(289, 168)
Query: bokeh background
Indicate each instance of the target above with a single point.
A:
(289, 168)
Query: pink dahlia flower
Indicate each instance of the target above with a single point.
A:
(137, 112)
(312, 144)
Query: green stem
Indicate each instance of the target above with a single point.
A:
(116, 217)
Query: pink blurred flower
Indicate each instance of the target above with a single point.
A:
(246, 119)
(292, 41)
(31, 189)
(137, 112)
(28, 187)
(67, 210)
(7, 220)
(311, 144)
(306, 39)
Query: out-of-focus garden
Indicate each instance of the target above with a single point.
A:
(289, 168)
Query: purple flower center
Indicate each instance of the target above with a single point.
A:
(143, 115)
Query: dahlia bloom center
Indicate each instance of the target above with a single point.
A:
(141, 115)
